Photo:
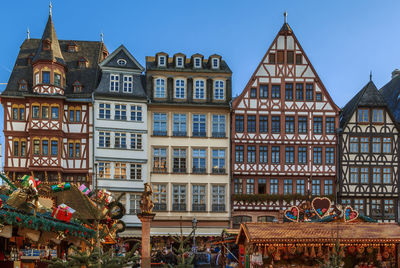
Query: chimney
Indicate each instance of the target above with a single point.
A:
(395, 73)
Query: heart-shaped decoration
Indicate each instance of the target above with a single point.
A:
(321, 206)
(350, 214)
(292, 214)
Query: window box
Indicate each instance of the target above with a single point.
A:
(179, 207)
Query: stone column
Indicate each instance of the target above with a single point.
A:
(146, 219)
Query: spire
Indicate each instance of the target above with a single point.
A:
(285, 28)
(370, 76)
(102, 37)
(28, 34)
(50, 7)
(285, 15)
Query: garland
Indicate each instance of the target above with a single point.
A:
(251, 198)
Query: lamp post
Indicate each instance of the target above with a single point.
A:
(194, 226)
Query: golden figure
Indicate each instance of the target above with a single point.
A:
(146, 203)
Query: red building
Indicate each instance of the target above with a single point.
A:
(48, 121)
(283, 135)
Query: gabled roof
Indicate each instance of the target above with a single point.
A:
(391, 94)
(54, 53)
(122, 52)
(368, 96)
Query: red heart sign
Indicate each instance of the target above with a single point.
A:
(321, 206)
(350, 214)
(292, 214)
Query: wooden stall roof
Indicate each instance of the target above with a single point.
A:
(305, 232)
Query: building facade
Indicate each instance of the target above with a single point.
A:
(188, 144)
(283, 135)
(120, 116)
(369, 156)
(48, 120)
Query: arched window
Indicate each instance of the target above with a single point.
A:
(266, 219)
(77, 87)
(83, 62)
(22, 85)
(237, 220)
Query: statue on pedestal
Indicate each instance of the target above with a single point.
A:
(146, 203)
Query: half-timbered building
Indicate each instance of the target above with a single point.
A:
(369, 156)
(283, 134)
(48, 121)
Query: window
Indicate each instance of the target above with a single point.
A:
(388, 208)
(199, 125)
(104, 139)
(364, 142)
(328, 187)
(45, 147)
(54, 112)
(250, 186)
(317, 125)
(199, 160)
(159, 124)
(239, 153)
(136, 113)
(376, 209)
(120, 171)
(199, 89)
(179, 197)
(77, 87)
(317, 155)
(251, 123)
(263, 123)
(387, 145)
(37, 81)
(310, 93)
(104, 111)
(346, 202)
(71, 150)
(275, 154)
(159, 160)
(23, 148)
(114, 82)
(128, 83)
(377, 116)
(276, 124)
(363, 115)
(160, 88)
(287, 186)
(160, 197)
(105, 170)
(271, 58)
(316, 187)
(120, 112)
(263, 154)
(45, 112)
(289, 127)
(35, 111)
(179, 160)
(300, 187)
(276, 91)
(121, 62)
(180, 89)
(179, 125)
(218, 126)
(330, 125)
(262, 186)
(16, 148)
(218, 198)
(36, 147)
(302, 155)
(289, 92)
(253, 93)
(179, 62)
(263, 91)
(299, 59)
(77, 115)
(353, 144)
(251, 154)
(359, 205)
(376, 145)
(57, 80)
(120, 140)
(219, 90)
(71, 115)
(45, 77)
(54, 148)
(302, 124)
(274, 186)
(215, 63)
(136, 141)
(136, 171)
(134, 203)
(237, 220)
(197, 62)
(329, 156)
(161, 61)
(354, 175)
(280, 57)
(77, 150)
(239, 123)
(238, 186)
(15, 113)
(299, 92)
(376, 175)
(387, 175)
(290, 57)
(289, 154)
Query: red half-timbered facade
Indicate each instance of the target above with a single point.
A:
(48, 121)
(283, 135)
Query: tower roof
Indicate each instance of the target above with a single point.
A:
(54, 51)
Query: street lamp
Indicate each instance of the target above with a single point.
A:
(194, 226)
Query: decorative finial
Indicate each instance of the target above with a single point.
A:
(50, 7)
(370, 76)
(285, 15)
(28, 34)
(102, 36)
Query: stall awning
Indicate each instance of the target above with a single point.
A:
(167, 231)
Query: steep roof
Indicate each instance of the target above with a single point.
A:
(391, 94)
(368, 96)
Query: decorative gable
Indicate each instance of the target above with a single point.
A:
(122, 59)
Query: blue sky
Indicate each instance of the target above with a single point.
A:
(343, 39)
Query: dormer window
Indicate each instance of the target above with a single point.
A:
(215, 63)
(197, 62)
(121, 62)
(82, 63)
(57, 79)
(179, 62)
(22, 85)
(72, 47)
(46, 44)
(161, 61)
(77, 87)
(30, 58)
(114, 82)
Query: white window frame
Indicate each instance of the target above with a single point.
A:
(179, 64)
(162, 57)
(106, 167)
(128, 84)
(219, 91)
(121, 62)
(114, 82)
(136, 141)
(136, 171)
(212, 63)
(105, 136)
(121, 138)
(37, 78)
(106, 108)
(136, 113)
(197, 89)
(195, 62)
(122, 167)
(159, 85)
(180, 88)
